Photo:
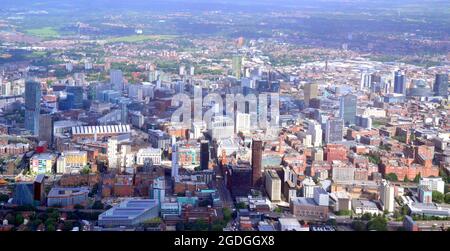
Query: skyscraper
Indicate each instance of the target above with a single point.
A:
(387, 196)
(347, 109)
(116, 78)
(237, 66)
(310, 92)
(334, 130)
(399, 83)
(315, 130)
(124, 112)
(158, 189)
(257, 149)
(174, 172)
(77, 92)
(364, 122)
(204, 154)
(32, 106)
(440, 87)
(46, 128)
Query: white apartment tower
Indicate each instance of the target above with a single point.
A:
(387, 196)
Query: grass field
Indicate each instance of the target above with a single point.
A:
(46, 32)
(139, 38)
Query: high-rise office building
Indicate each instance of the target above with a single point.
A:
(182, 70)
(440, 87)
(113, 158)
(158, 188)
(310, 92)
(175, 167)
(347, 109)
(365, 81)
(116, 78)
(77, 92)
(364, 122)
(32, 106)
(273, 185)
(257, 149)
(243, 122)
(237, 66)
(334, 130)
(315, 130)
(46, 128)
(204, 154)
(124, 112)
(399, 83)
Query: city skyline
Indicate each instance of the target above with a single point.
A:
(224, 116)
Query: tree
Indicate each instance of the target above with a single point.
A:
(227, 214)
(444, 176)
(417, 178)
(358, 225)
(85, 170)
(375, 159)
(391, 177)
(4, 198)
(200, 225)
(406, 179)
(437, 197)
(19, 219)
(344, 212)
(241, 205)
(50, 227)
(218, 225)
(50, 221)
(278, 210)
(54, 214)
(397, 214)
(378, 223)
(366, 216)
(447, 198)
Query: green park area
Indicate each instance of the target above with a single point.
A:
(140, 38)
(45, 32)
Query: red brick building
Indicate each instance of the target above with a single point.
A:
(335, 152)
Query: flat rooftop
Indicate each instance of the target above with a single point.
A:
(67, 191)
(128, 209)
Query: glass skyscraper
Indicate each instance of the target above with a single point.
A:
(77, 92)
(334, 130)
(440, 87)
(347, 109)
(116, 78)
(32, 106)
(399, 83)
